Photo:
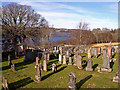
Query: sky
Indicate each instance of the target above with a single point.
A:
(69, 14)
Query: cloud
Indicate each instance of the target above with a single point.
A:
(63, 19)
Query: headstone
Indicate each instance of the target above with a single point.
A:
(13, 67)
(48, 56)
(60, 58)
(54, 67)
(89, 54)
(99, 50)
(5, 83)
(70, 61)
(95, 52)
(9, 59)
(116, 78)
(37, 61)
(38, 76)
(79, 62)
(109, 52)
(64, 59)
(41, 66)
(72, 81)
(67, 53)
(60, 48)
(45, 65)
(106, 61)
(89, 65)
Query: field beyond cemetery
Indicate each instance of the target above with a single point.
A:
(24, 75)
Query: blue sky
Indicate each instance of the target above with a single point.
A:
(69, 14)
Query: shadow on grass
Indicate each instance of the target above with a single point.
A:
(48, 75)
(50, 63)
(84, 65)
(81, 82)
(98, 55)
(19, 68)
(20, 83)
(94, 66)
(17, 65)
(111, 64)
(113, 55)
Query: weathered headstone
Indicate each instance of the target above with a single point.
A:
(95, 52)
(70, 61)
(54, 67)
(60, 59)
(38, 76)
(89, 54)
(64, 59)
(72, 81)
(116, 77)
(45, 65)
(13, 67)
(89, 65)
(106, 61)
(5, 83)
(79, 62)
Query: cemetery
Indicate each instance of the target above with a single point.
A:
(59, 50)
(74, 68)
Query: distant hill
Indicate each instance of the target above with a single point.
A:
(61, 31)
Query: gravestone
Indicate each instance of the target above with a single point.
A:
(116, 78)
(70, 61)
(99, 51)
(72, 81)
(95, 52)
(67, 53)
(45, 65)
(38, 76)
(79, 61)
(89, 54)
(48, 56)
(60, 59)
(64, 59)
(29, 55)
(41, 66)
(60, 48)
(89, 65)
(9, 59)
(5, 83)
(13, 67)
(54, 67)
(37, 61)
(109, 52)
(106, 61)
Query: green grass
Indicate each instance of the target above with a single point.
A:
(24, 75)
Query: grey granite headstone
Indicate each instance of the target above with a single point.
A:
(106, 61)
(64, 59)
(79, 61)
(72, 81)
(89, 65)
(45, 65)
(95, 52)
(38, 76)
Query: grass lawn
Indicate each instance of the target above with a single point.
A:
(24, 75)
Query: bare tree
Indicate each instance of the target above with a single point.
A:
(17, 19)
